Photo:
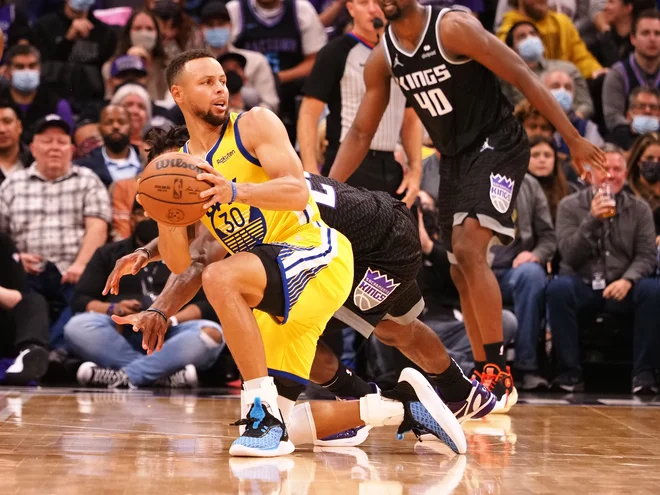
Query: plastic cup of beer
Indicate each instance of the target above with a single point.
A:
(608, 198)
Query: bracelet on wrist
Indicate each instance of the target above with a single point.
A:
(233, 192)
(160, 312)
(145, 250)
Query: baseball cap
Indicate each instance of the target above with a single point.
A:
(51, 120)
(214, 10)
(237, 57)
(127, 63)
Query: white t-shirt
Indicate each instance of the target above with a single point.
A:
(312, 32)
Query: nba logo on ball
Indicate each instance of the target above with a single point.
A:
(373, 289)
(501, 191)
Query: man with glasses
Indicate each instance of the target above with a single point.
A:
(643, 116)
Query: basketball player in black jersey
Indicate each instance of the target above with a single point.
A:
(385, 298)
(447, 66)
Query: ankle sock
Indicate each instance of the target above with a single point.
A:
(495, 354)
(347, 384)
(452, 384)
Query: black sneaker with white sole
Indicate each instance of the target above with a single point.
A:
(568, 382)
(29, 367)
(644, 383)
(91, 374)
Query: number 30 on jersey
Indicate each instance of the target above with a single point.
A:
(434, 101)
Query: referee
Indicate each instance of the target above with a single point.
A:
(337, 80)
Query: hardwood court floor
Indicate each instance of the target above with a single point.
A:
(58, 441)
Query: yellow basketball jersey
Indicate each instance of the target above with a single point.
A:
(237, 226)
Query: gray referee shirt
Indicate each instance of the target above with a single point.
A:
(337, 79)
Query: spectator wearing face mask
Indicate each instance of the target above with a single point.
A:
(561, 86)
(140, 37)
(74, 45)
(117, 159)
(640, 68)
(178, 30)
(32, 100)
(253, 67)
(86, 138)
(524, 38)
(114, 356)
(234, 66)
(644, 174)
(642, 117)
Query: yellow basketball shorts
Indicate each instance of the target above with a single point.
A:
(317, 280)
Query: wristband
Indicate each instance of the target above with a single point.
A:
(111, 309)
(233, 192)
(174, 322)
(147, 251)
(161, 313)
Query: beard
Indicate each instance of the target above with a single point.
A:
(115, 143)
(394, 15)
(212, 119)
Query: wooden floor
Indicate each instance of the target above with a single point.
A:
(55, 441)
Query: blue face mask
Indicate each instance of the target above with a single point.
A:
(81, 5)
(531, 49)
(564, 98)
(642, 124)
(217, 37)
(25, 80)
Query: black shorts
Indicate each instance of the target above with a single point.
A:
(483, 183)
(385, 280)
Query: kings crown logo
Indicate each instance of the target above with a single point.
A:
(373, 289)
(501, 192)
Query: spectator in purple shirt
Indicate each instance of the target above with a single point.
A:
(31, 99)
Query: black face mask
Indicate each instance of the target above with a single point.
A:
(650, 171)
(116, 144)
(146, 231)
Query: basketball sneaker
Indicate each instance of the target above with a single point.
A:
(185, 377)
(424, 411)
(351, 437)
(500, 383)
(264, 435)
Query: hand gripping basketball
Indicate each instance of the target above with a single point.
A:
(223, 191)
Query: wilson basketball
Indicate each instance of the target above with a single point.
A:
(169, 190)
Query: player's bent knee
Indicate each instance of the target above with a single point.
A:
(468, 253)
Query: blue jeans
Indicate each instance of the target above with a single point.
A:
(94, 337)
(568, 296)
(524, 287)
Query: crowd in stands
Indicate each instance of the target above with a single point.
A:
(82, 83)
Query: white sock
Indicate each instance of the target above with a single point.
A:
(265, 389)
(301, 426)
(286, 408)
(376, 410)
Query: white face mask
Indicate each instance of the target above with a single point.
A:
(144, 39)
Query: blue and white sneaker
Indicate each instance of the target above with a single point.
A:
(424, 411)
(351, 437)
(264, 435)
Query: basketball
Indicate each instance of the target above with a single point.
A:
(169, 190)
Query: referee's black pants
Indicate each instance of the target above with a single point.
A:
(379, 171)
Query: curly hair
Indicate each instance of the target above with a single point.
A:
(160, 141)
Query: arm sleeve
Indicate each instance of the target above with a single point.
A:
(312, 33)
(327, 72)
(92, 281)
(644, 248)
(614, 98)
(577, 238)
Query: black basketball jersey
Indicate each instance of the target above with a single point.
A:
(456, 100)
(364, 217)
